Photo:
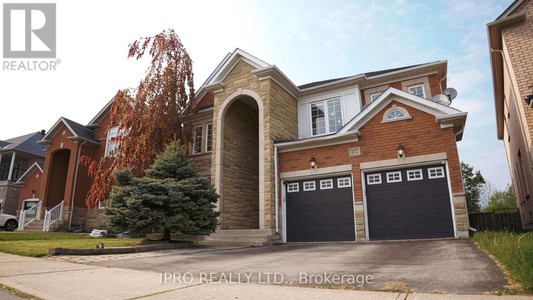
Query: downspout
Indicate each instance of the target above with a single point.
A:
(276, 185)
(74, 186)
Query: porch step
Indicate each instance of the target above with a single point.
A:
(37, 226)
(239, 237)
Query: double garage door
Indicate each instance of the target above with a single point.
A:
(401, 204)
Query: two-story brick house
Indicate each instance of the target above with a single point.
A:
(511, 54)
(363, 157)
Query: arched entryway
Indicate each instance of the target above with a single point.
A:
(241, 162)
(58, 177)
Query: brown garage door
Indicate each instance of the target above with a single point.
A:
(412, 203)
(320, 210)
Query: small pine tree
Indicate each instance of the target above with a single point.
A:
(171, 197)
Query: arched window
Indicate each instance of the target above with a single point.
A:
(395, 113)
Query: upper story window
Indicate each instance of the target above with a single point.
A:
(374, 96)
(395, 113)
(417, 90)
(111, 145)
(326, 116)
(209, 138)
(197, 141)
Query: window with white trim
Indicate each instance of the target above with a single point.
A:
(395, 114)
(344, 182)
(417, 90)
(326, 184)
(197, 144)
(111, 145)
(413, 175)
(326, 116)
(102, 205)
(374, 96)
(309, 186)
(293, 187)
(394, 177)
(209, 138)
(437, 172)
(373, 178)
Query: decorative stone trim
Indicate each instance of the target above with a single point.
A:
(316, 172)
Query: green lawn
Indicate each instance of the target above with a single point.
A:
(514, 251)
(38, 244)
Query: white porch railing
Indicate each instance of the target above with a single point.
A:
(52, 215)
(30, 214)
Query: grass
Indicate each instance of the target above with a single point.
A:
(515, 252)
(38, 244)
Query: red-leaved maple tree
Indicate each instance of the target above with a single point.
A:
(148, 117)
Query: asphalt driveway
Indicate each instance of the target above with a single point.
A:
(447, 266)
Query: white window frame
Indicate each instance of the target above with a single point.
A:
(441, 169)
(371, 178)
(342, 183)
(394, 179)
(326, 115)
(326, 184)
(376, 95)
(306, 188)
(207, 137)
(102, 205)
(415, 171)
(291, 187)
(111, 133)
(195, 139)
(416, 86)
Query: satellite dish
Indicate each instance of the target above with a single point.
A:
(441, 99)
(451, 93)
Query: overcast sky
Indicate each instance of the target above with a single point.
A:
(307, 40)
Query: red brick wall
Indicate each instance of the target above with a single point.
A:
(420, 135)
(208, 99)
(33, 182)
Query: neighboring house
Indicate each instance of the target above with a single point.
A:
(320, 162)
(511, 54)
(17, 156)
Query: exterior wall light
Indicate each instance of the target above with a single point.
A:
(313, 163)
(401, 150)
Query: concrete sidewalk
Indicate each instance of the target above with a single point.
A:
(49, 279)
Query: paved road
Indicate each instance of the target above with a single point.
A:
(444, 266)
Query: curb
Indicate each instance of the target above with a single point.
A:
(119, 250)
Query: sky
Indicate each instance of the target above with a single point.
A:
(307, 40)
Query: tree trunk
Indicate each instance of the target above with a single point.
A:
(166, 235)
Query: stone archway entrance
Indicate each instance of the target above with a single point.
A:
(240, 174)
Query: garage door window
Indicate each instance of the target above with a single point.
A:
(344, 182)
(309, 186)
(326, 184)
(293, 187)
(394, 177)
(413, 175)
(373, 178)
(436, 172)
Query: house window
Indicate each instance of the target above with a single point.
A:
(326, 184)
(413, 175)
(374, 96)
(373, 178)
(309, 186)
(394, 177)
(209, 138)
(417, 90)
(197, 145)
(395, 114)
(111, 145)
(344, 182)
(293, 187)
(326, 116)
(102, 205)
(437, 172)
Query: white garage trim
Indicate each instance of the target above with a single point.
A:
(318, 172)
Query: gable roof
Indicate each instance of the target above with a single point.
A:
(445, 115)
(80, 132)
(26, 143)
(36, 166)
